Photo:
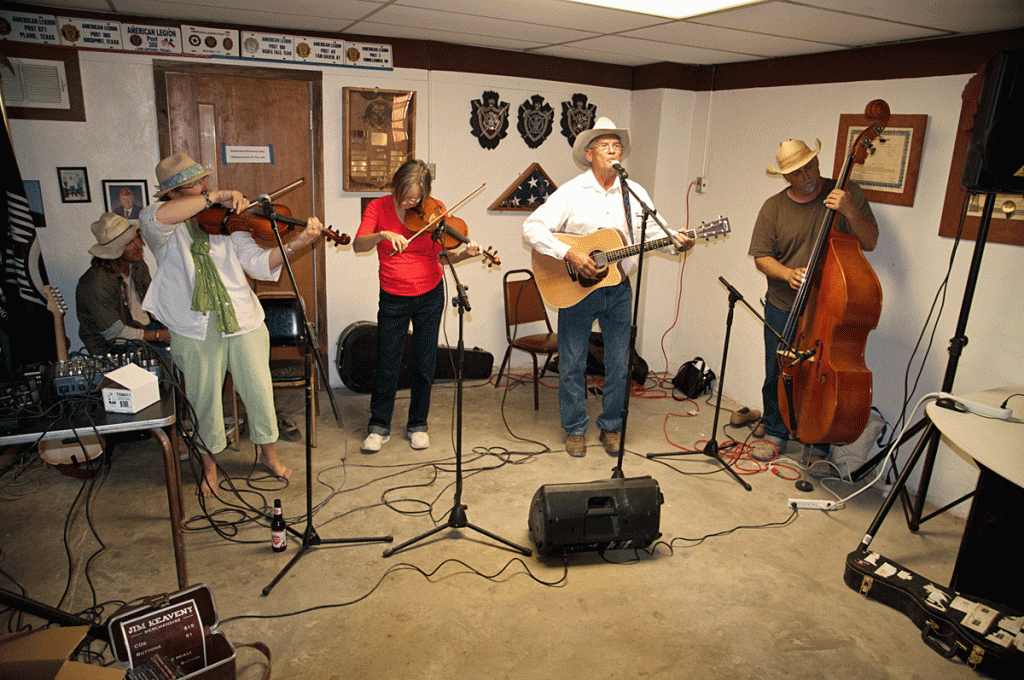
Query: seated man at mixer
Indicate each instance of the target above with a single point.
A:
(110, 293)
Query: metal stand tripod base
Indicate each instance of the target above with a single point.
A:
(457, 516)
(457, 520)
(309, 537)
(711, 449)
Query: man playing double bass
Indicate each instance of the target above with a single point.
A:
(781, 245)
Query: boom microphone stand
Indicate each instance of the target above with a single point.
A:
(457, 516)
(711, 448)
(310, 538)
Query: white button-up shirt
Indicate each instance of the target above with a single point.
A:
(582, 206)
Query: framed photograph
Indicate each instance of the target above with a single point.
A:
(74, 185)
(125, 197)
(889, 173)
(380, 135)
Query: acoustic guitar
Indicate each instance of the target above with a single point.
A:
(561, 286)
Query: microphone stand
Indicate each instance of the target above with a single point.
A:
(309, 537)
(274, 217)
(711, 448)
(457, 515)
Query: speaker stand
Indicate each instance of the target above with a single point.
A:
(929, 442)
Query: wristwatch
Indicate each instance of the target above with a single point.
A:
(206, 195)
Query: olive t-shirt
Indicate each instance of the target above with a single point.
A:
(787, 230)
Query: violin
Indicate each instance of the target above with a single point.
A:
(220, 220)
(428, 216)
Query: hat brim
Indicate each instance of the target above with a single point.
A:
(190, 180)
(795, 165)
(115, 249)
(584, 139)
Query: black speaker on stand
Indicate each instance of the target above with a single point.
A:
(995, 155)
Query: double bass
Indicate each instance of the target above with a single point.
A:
(824, 384)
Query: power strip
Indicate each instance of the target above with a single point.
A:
(807, 504)
(961, 404)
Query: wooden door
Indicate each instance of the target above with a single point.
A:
(233, 120)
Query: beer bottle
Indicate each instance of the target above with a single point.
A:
(278, 533)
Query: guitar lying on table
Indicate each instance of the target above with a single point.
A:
(561, 286)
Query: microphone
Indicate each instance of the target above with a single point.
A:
(804, 356)
(268, 207)
(619, 169)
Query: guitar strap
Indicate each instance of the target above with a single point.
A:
(629, 213)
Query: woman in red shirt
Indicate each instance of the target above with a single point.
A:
(411, 289)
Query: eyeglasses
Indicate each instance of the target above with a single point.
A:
(607, 146)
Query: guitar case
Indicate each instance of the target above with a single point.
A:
(357, 359)
(985, 635)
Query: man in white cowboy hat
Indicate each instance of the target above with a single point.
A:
(781, 244)
(592, 201)
(110, 293)
(201, 292)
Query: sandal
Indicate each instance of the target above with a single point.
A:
(287, 429)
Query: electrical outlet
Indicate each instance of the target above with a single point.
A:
(701, 185)
(806, 504)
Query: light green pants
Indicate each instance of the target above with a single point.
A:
(204, 364)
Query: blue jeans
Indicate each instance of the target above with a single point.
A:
(612, 308)
(394, 312)
(773, 424)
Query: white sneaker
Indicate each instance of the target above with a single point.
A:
(373, 442)
(420, 440)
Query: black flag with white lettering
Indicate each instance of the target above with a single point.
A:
(26, 326)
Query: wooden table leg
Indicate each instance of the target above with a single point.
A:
(172, 469)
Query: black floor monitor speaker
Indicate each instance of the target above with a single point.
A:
(610, 514)
(995, 155)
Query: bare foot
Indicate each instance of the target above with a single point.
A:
(268, 457)
(209, 484)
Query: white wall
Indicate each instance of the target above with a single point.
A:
(728, 137)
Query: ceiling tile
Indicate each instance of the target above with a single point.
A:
(812, 23)
(714, 38)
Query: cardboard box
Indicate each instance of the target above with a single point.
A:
(43, 655)
(129, 389)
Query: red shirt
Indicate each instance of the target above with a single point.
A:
(414, 271)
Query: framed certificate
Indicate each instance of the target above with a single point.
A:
(380, 135)
(889, 173)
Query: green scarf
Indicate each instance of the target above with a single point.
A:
(209, 294)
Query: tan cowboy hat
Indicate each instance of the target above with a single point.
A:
(603, 126)
(112, 233)
(792, 155)
(177, 170)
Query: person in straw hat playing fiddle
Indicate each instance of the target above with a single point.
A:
(110, 293)
(201, 292)
(781, 244)
(594, 200)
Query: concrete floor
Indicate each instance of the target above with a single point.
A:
(735, 588)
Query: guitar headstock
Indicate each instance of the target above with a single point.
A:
(715, 228)
(54, 300)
